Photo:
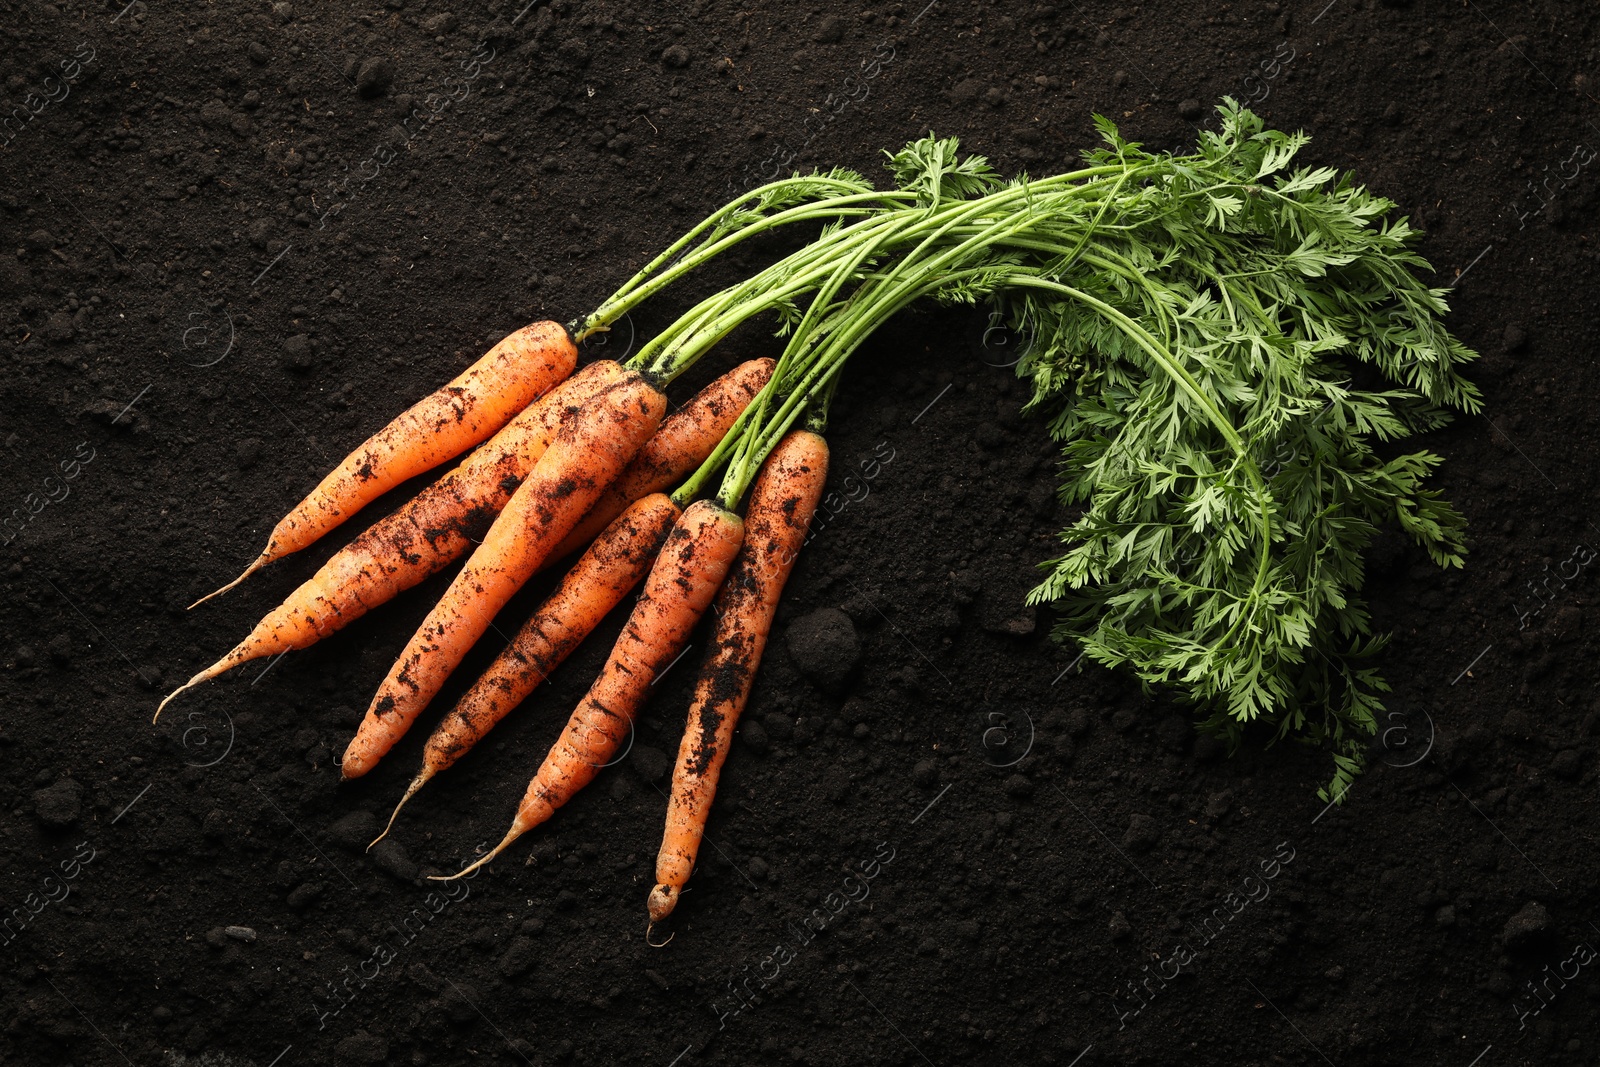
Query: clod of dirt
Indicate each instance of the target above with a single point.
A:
(374, 77)
(675, 56)
(247, 452)
(780, 727)
(1219, 804)
(362, 1047)
(825, 648)
(58, 806)
(1019, 785)
(651, 764)
(1514, 338)
(519, 956)
(1190, 109)
(1142, 835)
(966, 93)
(1526, 929)
(830, 30)
(754, 736)
(297, 354)
(389, 856)
(58, 329)
(1119, 927)
(925, 773)
(355, 831)
(440, 24)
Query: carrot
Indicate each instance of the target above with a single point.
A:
(522, 367)
(685, 439)
(682, 582)
(588, 454)
(782, 502)
(420, 538)
(611, 567)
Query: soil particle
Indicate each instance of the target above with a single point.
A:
(355, 831)
(825, 648)
(1527, 929)
(362, 1047)
(754, 736)
(1142, 834)
(651, 764)
(59, 806)
(390, 857)
(374, 76)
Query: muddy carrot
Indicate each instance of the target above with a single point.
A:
(477, 402)
(592, 448)
(420, 538)
(606, 572)
(685, 577)
(685, 439)
(782, 502)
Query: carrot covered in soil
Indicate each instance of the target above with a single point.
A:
(418, 539)
(521, 368)
(685, 439)
(607, 571)
(681, 585)
(591, 449)
(782, 503)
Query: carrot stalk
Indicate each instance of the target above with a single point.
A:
(679, 589)
(418, 539)
(591, 449)
(782, 502)
(522, 367)
(605, 574)
(685, 439)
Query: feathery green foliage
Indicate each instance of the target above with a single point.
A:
(1231, 474)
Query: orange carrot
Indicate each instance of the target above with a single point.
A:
(589, 451)
(476, 403)
(782, 502)
(420, 538)
(611, 567)
(682, 582)
(685, 439)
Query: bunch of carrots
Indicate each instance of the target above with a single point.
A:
(563, 462)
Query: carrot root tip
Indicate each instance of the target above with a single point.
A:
(663, 898)
(511, 836)
(170, 696)
(411, 791)
(652, 944)
(260, 561)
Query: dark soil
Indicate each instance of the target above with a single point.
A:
(197, 327)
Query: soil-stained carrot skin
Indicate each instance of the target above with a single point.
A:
(616, 562)
(591, 449)
(612, 566)
(679, 589)
(421, 537)
(521, 368)
(782, 503)
(685, 439)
